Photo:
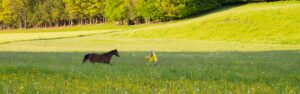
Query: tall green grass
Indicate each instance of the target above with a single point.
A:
(177, 72)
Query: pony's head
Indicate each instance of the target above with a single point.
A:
(115, 52)
(86, 57)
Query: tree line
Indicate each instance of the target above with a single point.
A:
(54, 13)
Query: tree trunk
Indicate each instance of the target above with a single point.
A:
(20, 24)
(25, 23)
(57, 24)
(25, 20)
(71, 22)
(10, 26)
(65, 23)
(50, 24)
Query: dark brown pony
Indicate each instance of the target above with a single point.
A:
(101, 58)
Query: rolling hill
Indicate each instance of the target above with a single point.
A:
(252, 48)
(273, 22)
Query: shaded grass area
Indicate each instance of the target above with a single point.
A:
(48, 36)
(177, 72)
(19, 37)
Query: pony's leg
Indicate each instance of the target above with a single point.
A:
(107, 62)
(93, 62)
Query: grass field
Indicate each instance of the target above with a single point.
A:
(190, 61)
(177, 72)
(276, 22)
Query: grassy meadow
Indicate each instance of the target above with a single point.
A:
(238, 49)
(275, 22)
(177, 72)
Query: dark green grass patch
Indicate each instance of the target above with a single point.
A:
(177, 72)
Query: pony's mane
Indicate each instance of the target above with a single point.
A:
(113, 51)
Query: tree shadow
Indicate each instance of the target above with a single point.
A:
(213, 10)
(56, 38)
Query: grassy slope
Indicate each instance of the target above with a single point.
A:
(185, 66)
(276, 22)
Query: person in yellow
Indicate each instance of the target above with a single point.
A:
(152, 58)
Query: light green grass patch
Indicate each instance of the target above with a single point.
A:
(276, 22)
(100, 43)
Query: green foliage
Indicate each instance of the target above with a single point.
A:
(72, 10)
(57, 11)
(116, 10)
(148, 9)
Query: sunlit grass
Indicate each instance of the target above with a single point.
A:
(190, 62)
(276, 22)
(101, 43)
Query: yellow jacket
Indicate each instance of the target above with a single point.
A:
(152, 58)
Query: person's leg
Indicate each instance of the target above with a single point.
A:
(154, 63)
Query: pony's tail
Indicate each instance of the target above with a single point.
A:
(86, 57)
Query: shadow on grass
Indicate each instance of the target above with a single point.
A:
(56, 38)
(210, 11)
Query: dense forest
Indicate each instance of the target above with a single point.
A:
(51, 13)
